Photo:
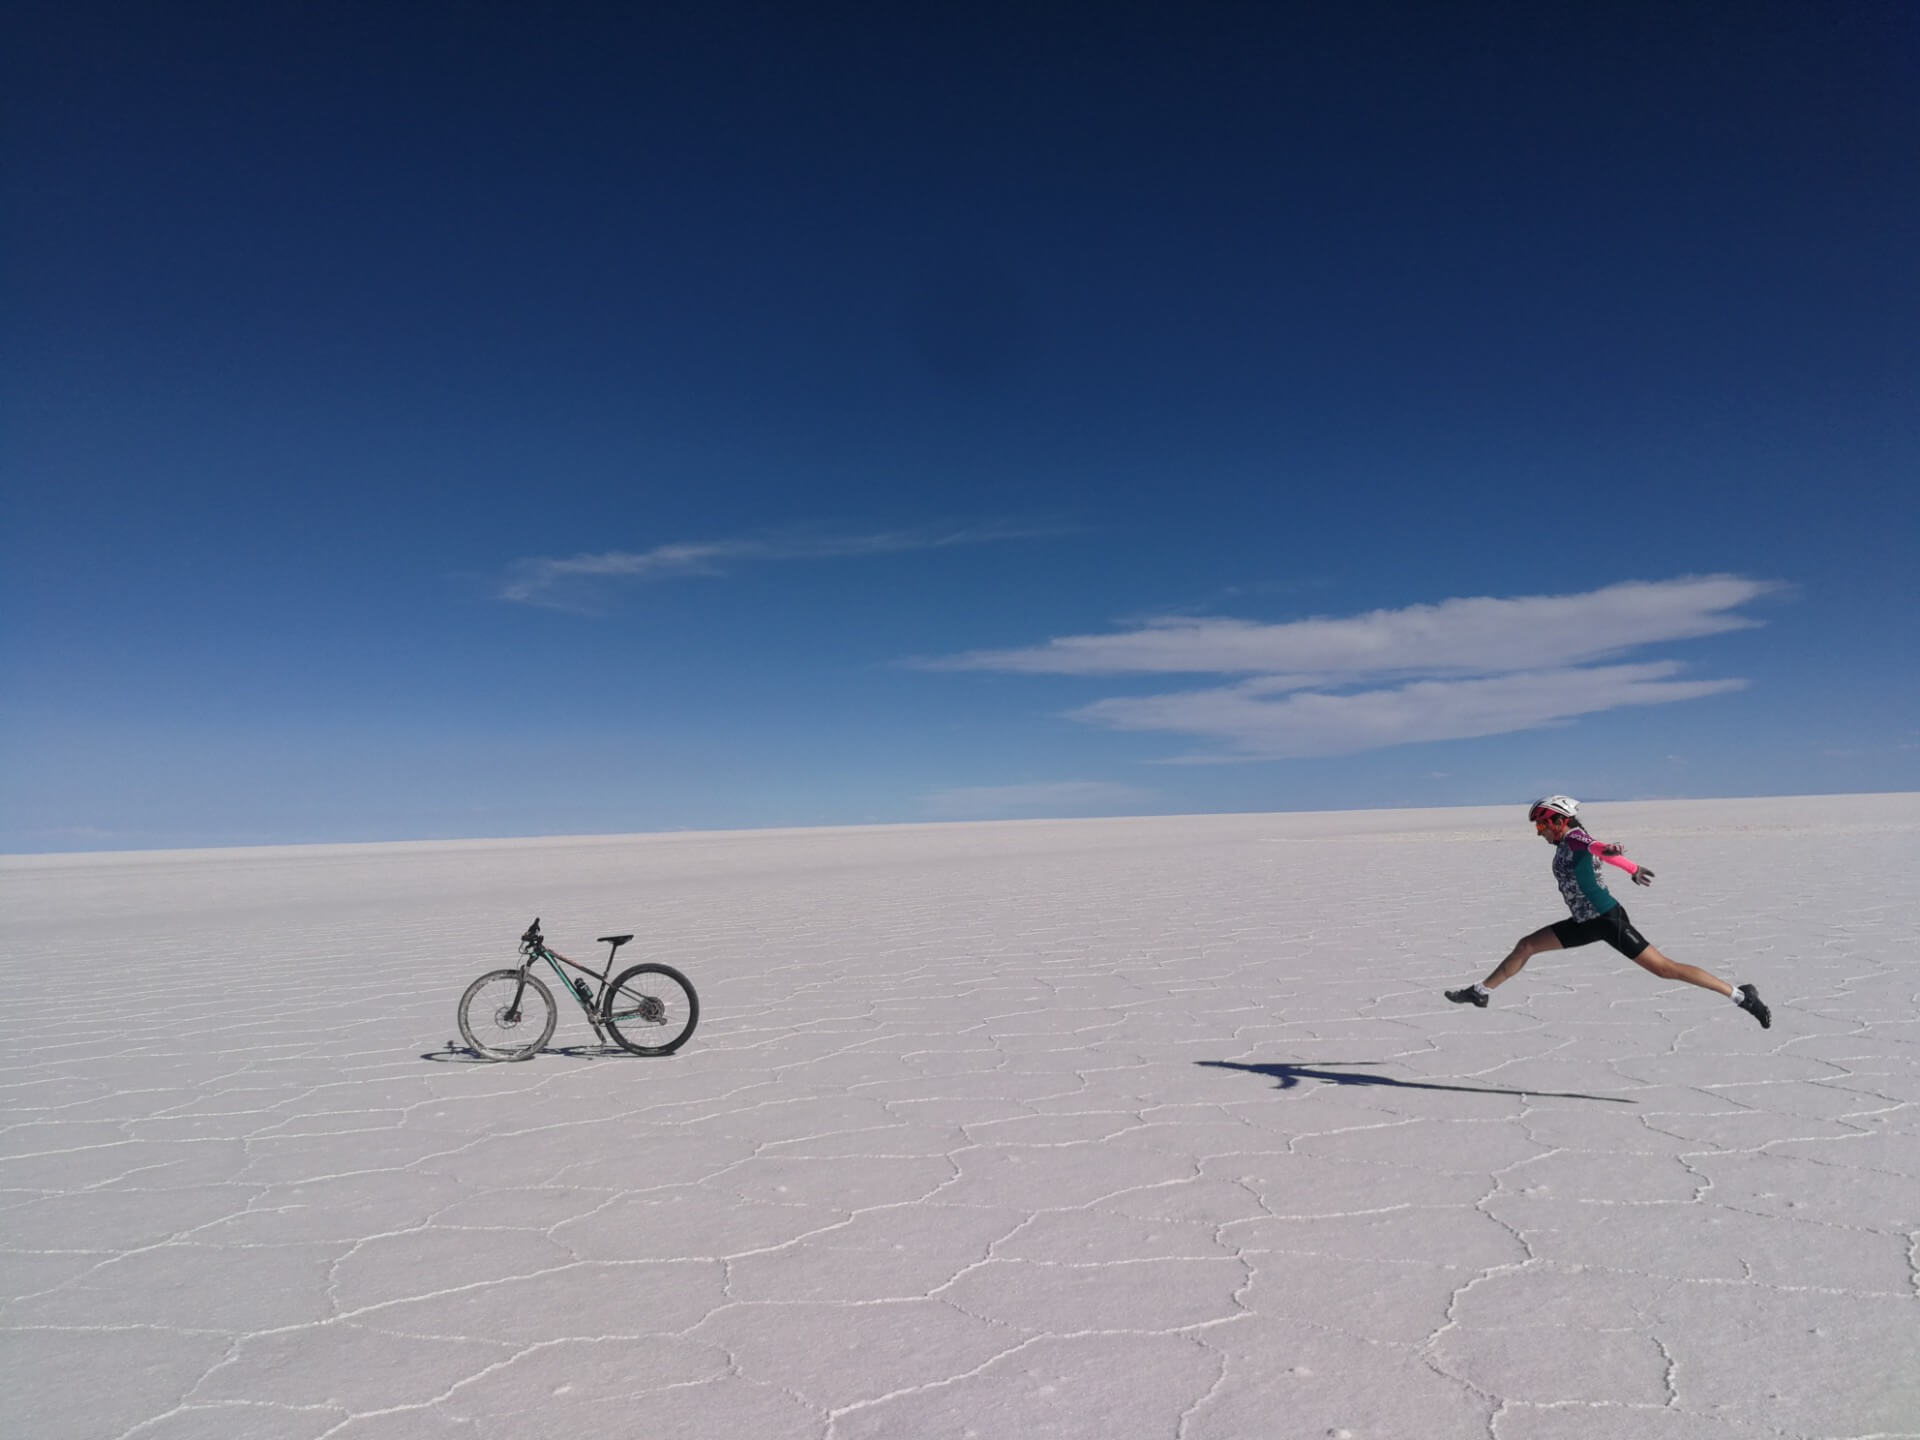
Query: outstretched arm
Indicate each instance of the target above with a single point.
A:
(1617, 855)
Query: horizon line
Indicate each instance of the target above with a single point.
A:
(31, 859)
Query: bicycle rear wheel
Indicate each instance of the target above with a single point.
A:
(495, 1026)
(651, 1009)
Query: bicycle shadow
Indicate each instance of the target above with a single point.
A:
(588, 1052)
(1290, 1077)
(454, 1053)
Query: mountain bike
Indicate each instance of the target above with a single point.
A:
(650, 1009)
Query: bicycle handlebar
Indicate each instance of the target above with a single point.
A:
(532, 937)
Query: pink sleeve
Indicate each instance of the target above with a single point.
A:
(1625, 864)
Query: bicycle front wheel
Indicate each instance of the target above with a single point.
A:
(507, 1016)
(651, 1009)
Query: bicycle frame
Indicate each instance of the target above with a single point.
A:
(533, 947)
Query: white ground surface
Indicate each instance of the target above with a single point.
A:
(1092, 1129)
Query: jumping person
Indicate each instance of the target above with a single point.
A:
(1596, 914)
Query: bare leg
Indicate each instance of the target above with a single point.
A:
(1653, 961)
(1527, 947)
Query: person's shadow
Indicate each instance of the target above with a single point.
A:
(1290, 1077)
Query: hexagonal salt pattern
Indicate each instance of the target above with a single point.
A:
(1086, 1129)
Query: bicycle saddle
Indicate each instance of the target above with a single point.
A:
(615, 940)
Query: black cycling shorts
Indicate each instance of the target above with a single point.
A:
(1613, 927)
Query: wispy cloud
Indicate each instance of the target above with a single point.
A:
(1316, 723)
(1459, 669)
(1469, 636)
(556, 582)
(1053, 798)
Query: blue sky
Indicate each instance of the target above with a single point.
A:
(426, 422)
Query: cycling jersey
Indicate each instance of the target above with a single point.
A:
(1579, 882)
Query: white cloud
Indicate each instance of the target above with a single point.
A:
(544, 580)
(1323, 724)
(1481, 635)
(1456, 670)
(1055, 798)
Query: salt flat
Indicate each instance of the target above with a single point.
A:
(1090, 1129)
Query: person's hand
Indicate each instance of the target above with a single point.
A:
(1643, 876)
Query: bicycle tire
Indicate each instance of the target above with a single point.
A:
(650, 1009)
(503, 1038)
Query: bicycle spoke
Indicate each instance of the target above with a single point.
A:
(651, 1009)
(506, 1017)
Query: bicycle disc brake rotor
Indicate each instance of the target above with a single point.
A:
(651, 1009)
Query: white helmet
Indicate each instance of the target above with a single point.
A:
(1564, 805)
